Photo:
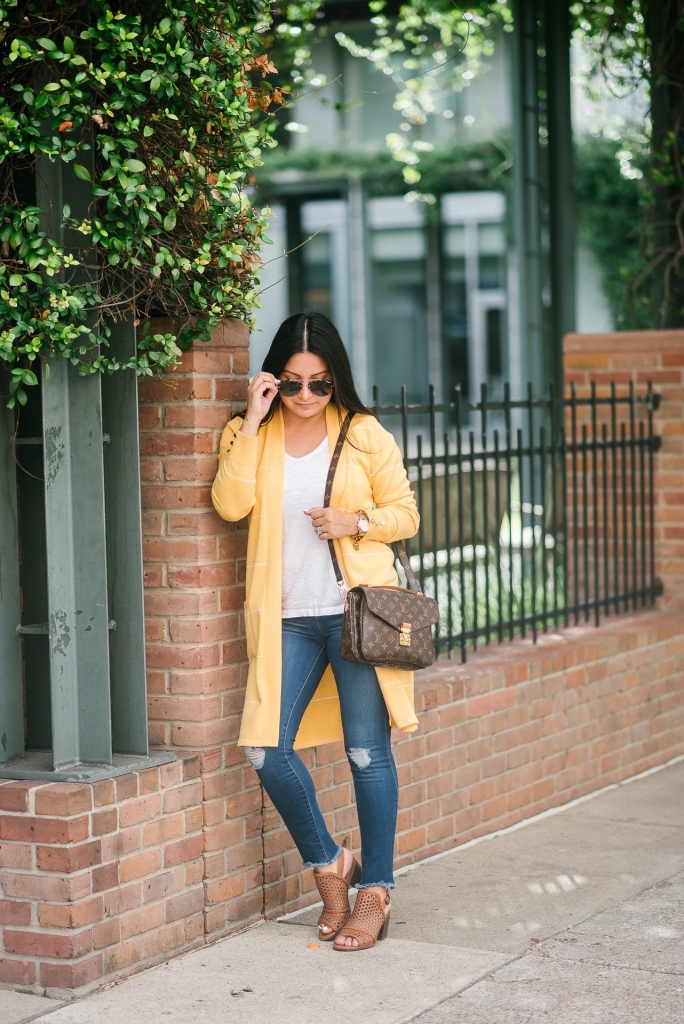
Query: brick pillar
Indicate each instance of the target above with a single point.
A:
(643, 356)
(194, 579)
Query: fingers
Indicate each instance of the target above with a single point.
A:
(260, 395)
(325, 522)
(263, 378)
(264, 385)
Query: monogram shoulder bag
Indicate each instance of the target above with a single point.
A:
(383, 626)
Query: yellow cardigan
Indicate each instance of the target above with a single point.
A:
(249, 482)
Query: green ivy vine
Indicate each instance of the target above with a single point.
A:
(161, 109)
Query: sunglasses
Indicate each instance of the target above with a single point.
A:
(319, 388)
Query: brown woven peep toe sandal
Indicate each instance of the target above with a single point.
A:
(334, 889)
(368, 924)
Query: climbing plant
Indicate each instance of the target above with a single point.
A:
(161, 111)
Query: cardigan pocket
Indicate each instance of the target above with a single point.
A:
(252, 622)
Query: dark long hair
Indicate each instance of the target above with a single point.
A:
(313, 332)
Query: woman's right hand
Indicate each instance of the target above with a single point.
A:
(260, 395)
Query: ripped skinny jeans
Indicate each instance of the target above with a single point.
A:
(309, 645)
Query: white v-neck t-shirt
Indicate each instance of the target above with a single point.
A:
(309, 585)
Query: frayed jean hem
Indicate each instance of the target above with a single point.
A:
(322, 863)
(373, 885)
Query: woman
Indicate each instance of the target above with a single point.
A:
(273, 465)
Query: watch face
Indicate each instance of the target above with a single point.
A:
(363, 525)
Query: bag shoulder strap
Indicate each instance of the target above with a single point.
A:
(398, 546)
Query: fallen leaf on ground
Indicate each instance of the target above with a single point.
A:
(312, 945)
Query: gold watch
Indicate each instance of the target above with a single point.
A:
(363, 525)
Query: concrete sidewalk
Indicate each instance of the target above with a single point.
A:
(576, 918)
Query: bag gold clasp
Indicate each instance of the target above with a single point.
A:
(405, 634)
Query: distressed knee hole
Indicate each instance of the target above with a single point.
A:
(360, 756)
(256, 756)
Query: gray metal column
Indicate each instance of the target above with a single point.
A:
(11, 697)
(527, 191)
(77, 566)
(561, 185)
(359, 276)
(434, 311)
(124, 547)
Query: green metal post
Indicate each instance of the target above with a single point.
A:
(561, 186)
(11, 698)
(124, 548)
(77, 567)
(527, 193)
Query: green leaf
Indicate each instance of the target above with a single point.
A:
(36, 278)
(46, 44)
(29, 377)
(21, 396)
(46, 371)
(82, 172)
(68, 45)
(155, 84)
(51, 87)
(66, 211)
(135, 166)
(147, 131)
(170, 221)
(16, 280)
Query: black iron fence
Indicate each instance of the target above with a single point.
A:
(534, 514)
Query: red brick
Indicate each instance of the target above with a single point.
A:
(105, 877)
(144, 808)
(14, 912)
(103, 822)
(63, 799)
(57, 947)
(143, 920)
(77, 915)
(183, 851)
(74, 858)
(139, 865)
(43, 830)
(17, 972)
(15, 855)
(185, 906)
(71, 976)
(124, 955)
(14, 795)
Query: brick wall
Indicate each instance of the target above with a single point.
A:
(639, 357)
(99, 879)
(194, 593)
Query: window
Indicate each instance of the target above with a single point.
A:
(398, 298)
(474, 282)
